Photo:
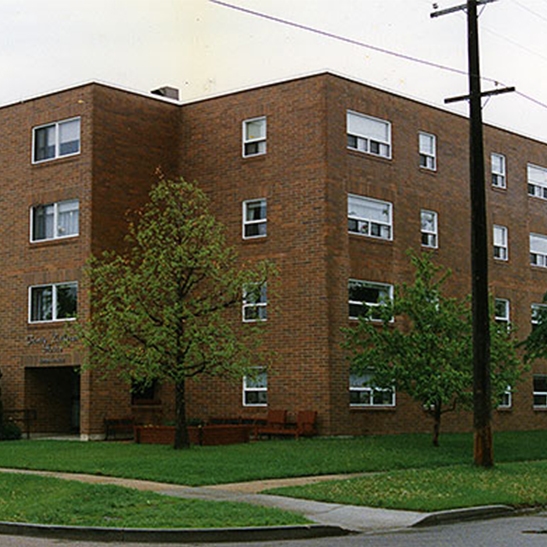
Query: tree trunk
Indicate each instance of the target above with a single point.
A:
(436, 424)
(483, 449)
(181, 432)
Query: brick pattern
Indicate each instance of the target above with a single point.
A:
(305, 177)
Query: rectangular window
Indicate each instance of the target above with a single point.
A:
(501, 248)
(370, 217)
(538, 250)
(57, 302)
(538, 312)
(363, 393)
(56, 140)
(54, 220)
(255, 302)
(255, 389)
(369, 135)
(537, 181)
(365, 298)
(506, 400)
(501, 311)
(497, 162)
(428, 151)
(254, 218)
(540, 390)
(429, 228)
(254, 137)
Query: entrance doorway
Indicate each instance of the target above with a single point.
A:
(54, 392)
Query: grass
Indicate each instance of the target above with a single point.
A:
(409, 473)
(521, 484)
(269, 459)
(44, 500)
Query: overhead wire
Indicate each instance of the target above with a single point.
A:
(371, 47)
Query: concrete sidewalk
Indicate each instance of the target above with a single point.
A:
(332, 518)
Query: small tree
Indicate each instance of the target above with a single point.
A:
(427, 351)
(159, 308)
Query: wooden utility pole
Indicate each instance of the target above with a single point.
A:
(482, 392)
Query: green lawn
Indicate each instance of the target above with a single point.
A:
(265, 459)
(408, 472)
(45, 500)
(522, 484)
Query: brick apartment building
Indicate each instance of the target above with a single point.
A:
(331, 179)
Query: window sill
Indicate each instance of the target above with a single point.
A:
(375, 408)
(56, 161)
(56, 241)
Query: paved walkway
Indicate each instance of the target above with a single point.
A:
(330, 518)
(354, 518)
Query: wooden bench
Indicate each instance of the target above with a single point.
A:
(119, 428)
(276, 424)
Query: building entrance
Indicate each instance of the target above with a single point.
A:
(54, 392)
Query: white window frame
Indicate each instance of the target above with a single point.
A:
(539, 394)
(427, 147)
(535, 308)
(57, 228)
(377, 397)
(499, 179)
(252, 141)
(381, 287)
(260, 224)
(501, 242)
(254, 309)
(537, 181)
(57, 139)
(506, 399)
(505, 317)
(54, 289)
(256, 384)
(538, 250)
(367, 225)
(429, 237)
(367, 141)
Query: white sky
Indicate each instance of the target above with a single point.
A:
(204, 48)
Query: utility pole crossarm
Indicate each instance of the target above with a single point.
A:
(483, 94)
(458, 8)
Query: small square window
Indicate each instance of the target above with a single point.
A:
(57, 302)
(369, 135)
(366, 298)
(537, 181)
(255, 389)
(362, 392)
(370, 217)
(540, 390)
(254, 218)
(254, 137)
(501, 311)
(54, 220)
(538, 250)
(56, 140)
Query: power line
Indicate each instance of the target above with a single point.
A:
(526, 8)
(358, 43)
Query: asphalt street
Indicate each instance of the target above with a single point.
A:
(523, 531)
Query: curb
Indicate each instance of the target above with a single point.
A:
(186, 535)
(471, 513)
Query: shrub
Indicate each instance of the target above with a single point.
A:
(9, 432)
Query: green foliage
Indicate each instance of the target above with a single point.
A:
(535, 345)
(159, 308)
(9, 432)
(427, 352)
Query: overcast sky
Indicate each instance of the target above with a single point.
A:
(205, 48)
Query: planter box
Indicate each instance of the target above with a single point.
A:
(206, 435)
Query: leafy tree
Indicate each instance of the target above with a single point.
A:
(427, 351)
(535, 345)
(159, 308)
